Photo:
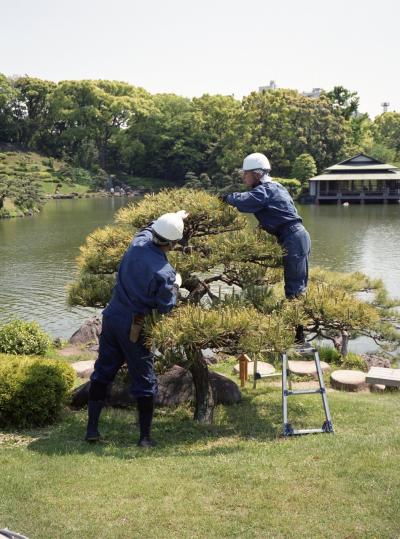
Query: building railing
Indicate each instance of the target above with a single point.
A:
(392, 193)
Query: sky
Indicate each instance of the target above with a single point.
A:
(192, 47)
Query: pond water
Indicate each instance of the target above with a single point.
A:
(38, 254)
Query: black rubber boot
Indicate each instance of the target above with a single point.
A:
(94, 411)
(145, 406)
(300, 338)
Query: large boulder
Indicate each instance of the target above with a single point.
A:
(175, 387)
(88, 333)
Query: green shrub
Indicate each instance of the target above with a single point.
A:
(32, 390)
(292, 185)
(329, 354)
(25, 338)
(354, 362)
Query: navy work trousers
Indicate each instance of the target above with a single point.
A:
(116, 348)
(297, 246)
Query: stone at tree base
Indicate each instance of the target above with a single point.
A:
(88, 333)
(263, 368)
(307, 368)
(209, 356)
(175, 387)
(348, 380)
(377, 388)
(83, 368)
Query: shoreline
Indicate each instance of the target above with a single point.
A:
(73, 196)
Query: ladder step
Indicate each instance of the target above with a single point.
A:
(307, 431)
(289, 392)
(303, 350)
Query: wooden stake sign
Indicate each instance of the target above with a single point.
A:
(243, 374)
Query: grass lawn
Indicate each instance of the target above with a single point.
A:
(234, 479)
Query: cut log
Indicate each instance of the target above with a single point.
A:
(306, 368)
(348, 380)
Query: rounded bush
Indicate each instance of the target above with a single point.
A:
(329, 355)
(32, 390)
(25, 338)
(354, 362)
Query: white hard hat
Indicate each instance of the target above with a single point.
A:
(255, 161)
(169, 226)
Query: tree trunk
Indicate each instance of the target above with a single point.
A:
(344, 346)
(204, 394)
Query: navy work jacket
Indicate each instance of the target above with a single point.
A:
(145, 279)
(271, 204)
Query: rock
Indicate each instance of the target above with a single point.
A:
(263, 368)
(209, 356)
(225, 390)
(306, 368)
(88, 333)
(348, 380)
(376, 361)
(175, 387)
(83, 368)
(377, 388)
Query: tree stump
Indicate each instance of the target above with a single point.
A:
(307, 368)
(348, 380)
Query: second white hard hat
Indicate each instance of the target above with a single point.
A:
(256, 161)
(169, 226)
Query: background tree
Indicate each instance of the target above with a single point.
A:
(386, 132)
(284, 124)
(345, 101)
(304, 167)
(7, 121)
(30, 106)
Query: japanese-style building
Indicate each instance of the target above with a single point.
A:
(359, 179)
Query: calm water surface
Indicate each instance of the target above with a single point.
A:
(38, 254)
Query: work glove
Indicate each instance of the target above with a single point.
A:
(182, 213)
(178, 280)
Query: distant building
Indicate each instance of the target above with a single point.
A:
(358, 179)
(315, 92)
(271, 86)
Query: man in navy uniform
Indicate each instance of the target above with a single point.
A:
(145, 281)
(276, 213)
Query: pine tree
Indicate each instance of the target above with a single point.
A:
(221, 248)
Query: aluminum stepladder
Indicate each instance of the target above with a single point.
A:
(288, 430)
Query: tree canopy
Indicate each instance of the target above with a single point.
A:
(124, 129)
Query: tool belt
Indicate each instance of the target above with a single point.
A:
(136, 327)
(283, 230)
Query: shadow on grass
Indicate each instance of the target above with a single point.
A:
(258, 417)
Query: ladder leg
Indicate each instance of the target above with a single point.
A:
(287, 428)
(327, 426)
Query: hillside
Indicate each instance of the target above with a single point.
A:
(27, 178)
